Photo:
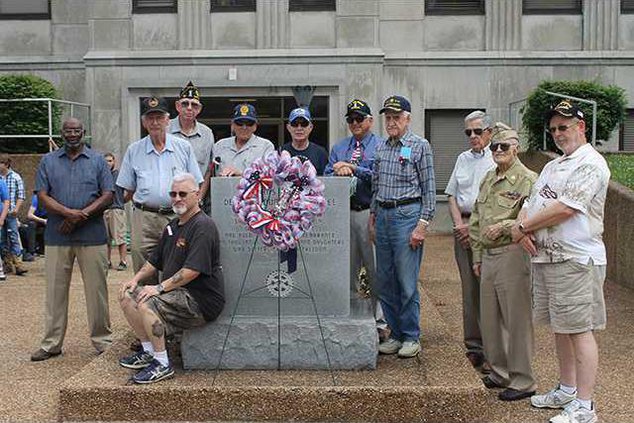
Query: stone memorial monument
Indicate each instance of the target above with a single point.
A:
(277, 316)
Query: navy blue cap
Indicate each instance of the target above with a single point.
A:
(244, 111)
(358, 106)
(297, 113)
(396, 103)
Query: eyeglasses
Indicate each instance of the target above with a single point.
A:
(300, 122)
(248, 123)
(181, 194)
(561, 128)
(186, 104)
(477, 131)
(504, 146)
(357, 119)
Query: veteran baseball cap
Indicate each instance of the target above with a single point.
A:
(396, 103)
(567, 109)
(190, 91)
(297, 113)
(244, 111)
(154, 104)
(503, 132)
(358, 106)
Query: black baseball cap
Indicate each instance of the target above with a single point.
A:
(358, 106)
(154, 104)
(566, 109)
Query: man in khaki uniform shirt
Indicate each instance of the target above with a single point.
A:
(504, 270)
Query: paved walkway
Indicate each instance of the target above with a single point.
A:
(29, 391)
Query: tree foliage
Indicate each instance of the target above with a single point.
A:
(610, 100)
(26, 118)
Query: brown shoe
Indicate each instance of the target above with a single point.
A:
(41, 355)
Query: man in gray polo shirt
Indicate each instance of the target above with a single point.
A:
(75, 186)
(462, 189)
(200, 136)
(146, 173)
(237, 153)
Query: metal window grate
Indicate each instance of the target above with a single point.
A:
(233, 6)
(454, 7)
(551, 7)
(627, 132)
(312, 5)
(627, 6)
(154, 6)
(25, 10)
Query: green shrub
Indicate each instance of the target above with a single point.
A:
(26, 118)
(622, 168)
(610, 100)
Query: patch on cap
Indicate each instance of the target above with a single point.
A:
(396, 103)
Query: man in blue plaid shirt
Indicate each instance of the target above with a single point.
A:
(10, 236)
(403, 204)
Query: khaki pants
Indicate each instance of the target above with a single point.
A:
(93, 265)
(507, 328)
(147, 228)
(470, 298)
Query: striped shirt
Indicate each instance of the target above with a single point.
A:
(405, 170)
(15, 186)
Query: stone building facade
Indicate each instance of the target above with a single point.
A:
(108, 53)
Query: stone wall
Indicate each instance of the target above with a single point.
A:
(26, 165)
(618, 232)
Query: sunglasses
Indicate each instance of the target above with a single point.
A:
(248, 123)
(477, 131)
(181, 194)
(300, 122)
(186, 104)
(504, 146)
(561, 128)
(357, 119)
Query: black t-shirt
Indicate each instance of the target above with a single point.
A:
(317, 155)
(196, 246)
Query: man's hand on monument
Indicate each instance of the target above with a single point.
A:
(146, 293)
(343, 169)
(230, 171)
(126, 286)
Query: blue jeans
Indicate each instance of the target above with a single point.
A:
(11, 236)
(397, 270)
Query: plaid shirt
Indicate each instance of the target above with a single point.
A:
(397, 177)
(16, 188)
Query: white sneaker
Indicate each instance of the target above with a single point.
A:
(575, 413)
(391, 346)
(553, 399)
(409, 349)
(3, 277)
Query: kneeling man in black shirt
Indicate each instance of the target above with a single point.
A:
(191, 291)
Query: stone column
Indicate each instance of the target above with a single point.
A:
(503, 24)
(600, 24)
(272, 24)
(193, 24)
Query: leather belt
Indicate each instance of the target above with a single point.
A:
(160, 210)
(358, 206)
(396, 203)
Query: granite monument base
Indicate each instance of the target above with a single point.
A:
(252, 343)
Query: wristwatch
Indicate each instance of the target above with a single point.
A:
(160, 288)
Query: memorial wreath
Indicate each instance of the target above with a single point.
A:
(280, 220)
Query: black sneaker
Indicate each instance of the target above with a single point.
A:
(138, 360)
(122, 266)
(155, 372)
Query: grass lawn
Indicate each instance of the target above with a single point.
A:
(622, 168)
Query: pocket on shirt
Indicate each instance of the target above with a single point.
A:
(406, 172)
(144, 181)
(507, 203)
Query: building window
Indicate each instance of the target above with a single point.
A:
(312, 5)
(454, 7)
(551, 7)
(627, 6)
(154, 6)
(25, 10)
(626, 139)
(232, 6)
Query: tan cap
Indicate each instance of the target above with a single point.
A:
(503, 132)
